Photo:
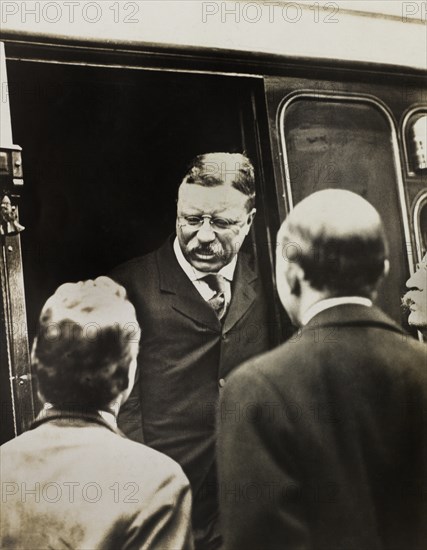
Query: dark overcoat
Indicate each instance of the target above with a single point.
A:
(323, 441)
(185, 358)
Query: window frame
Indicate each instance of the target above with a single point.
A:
(420, 203)
(405, 122)
(352, 98)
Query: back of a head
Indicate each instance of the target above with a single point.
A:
(88, 336)
(213, 169)
(338, 239)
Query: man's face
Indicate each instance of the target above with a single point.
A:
(416, 298)
(211, 225)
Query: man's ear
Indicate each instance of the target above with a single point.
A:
(40, 396)
(294, 276)
(386, 269)
(251, 216)
(249, 219)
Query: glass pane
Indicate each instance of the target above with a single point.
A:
(422, 228)
(416, 142)
(346, 144)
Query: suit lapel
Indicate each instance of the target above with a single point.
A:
(186, 299)
(243, 293)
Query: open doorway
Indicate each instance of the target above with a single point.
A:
(104, 152)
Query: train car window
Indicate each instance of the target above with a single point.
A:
(349, 143)
(415, 142)
(414, 137)
(420, 225)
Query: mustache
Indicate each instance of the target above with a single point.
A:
(407, 301)
(208, 249)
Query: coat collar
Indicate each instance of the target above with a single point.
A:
(72, 417)
(187, 299)
(354, 315)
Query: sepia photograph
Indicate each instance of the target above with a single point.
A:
(213, 266)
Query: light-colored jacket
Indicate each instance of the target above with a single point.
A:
(73, 482)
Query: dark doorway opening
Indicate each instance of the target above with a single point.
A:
(104, 152)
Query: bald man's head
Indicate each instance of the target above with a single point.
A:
(337, 239)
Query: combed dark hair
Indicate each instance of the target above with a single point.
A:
(81, 357)
(212, 169)
(342, 266)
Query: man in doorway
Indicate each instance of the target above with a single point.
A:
(322, 441)
(202, 312)
(416, 298)
(73, 480)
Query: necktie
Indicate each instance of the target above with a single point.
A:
(218, 284)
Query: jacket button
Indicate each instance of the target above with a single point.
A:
(221, 382)
(224, 337)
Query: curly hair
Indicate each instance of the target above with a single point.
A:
(87, 337)
(212, 169)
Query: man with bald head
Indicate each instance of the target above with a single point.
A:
(322, 441)
(201, 308)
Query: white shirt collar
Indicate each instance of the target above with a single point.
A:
(109, 418)
(194, 274)
(332, 302)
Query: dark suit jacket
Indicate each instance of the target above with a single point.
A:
(72, 482)
(323, 443)
(185, 358)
